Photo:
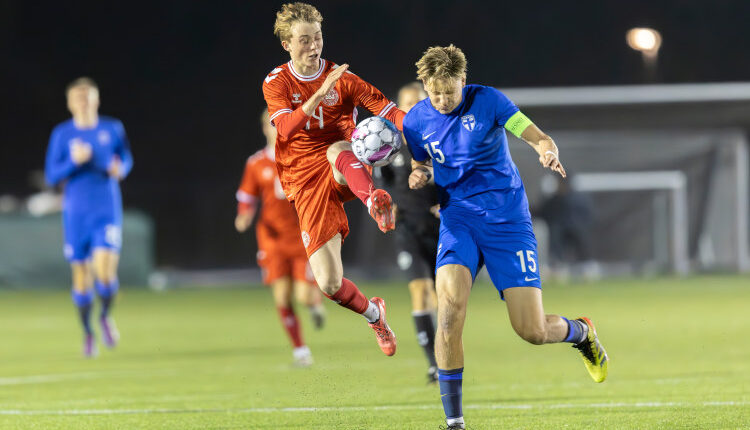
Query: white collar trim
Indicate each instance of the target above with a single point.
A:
(307, 78)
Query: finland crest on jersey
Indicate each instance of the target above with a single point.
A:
(468, 122)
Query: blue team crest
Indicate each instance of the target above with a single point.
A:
(468, 121)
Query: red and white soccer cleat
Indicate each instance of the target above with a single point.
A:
(381, 209)
(385, 336)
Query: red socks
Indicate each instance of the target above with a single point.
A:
(358, 178)
(349, 295)
(291, 325)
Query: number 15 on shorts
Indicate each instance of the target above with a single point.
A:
(527, 261)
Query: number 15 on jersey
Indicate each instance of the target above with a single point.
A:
(434, 151)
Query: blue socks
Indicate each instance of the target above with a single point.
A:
(450, 392)
(577, 331)
(83, 303)
(107, 293)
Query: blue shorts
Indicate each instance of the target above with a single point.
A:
(84, 232)
(508, 249)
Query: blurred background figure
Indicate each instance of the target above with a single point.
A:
(417, 227)
(569, 215)
(281, 254)
(88, 156)
(46, 200)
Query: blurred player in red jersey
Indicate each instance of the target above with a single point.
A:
(281, 255)
(312, 102)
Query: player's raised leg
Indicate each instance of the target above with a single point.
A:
(104, 265)
(348, 170)
(282, 289)
(83, 297)
(453, 288)
(329, 274)
(526, 313)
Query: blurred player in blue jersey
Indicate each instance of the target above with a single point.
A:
(484, 215)
(89, 155)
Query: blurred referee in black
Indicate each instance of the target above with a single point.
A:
(417, 227)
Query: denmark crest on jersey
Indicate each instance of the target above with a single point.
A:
(331, 98)
(468, 122)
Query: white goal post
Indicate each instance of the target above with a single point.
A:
(672, 181)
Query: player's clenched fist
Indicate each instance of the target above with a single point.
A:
(419, 177)
(242, 222)
(80, 152)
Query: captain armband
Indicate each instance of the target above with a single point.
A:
(517, 123)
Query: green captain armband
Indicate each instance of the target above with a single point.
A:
(517, 123)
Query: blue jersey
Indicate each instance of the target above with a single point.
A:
(88, 187)
(484, 214)
(92, 205)
(472, 165)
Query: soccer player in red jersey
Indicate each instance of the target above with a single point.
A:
(281, 255)
(312, 103)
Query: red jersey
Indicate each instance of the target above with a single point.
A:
(302, 156)
(260, 181)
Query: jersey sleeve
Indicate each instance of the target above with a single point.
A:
(123, 150)
(249, 190)
(502, 107)
(413, 139)
(366, 95)
(275, 94)
(58, 166)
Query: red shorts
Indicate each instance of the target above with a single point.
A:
(275, 266)
(281, 254)
(320, 208)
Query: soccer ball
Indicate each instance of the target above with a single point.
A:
(376, 141)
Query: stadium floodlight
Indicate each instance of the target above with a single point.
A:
(648, 42)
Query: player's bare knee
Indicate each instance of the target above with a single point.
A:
(533, 335)
(330, 285)
(417, 291)
(335, 149)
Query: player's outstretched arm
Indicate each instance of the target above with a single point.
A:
(421, 174)
(549, 156)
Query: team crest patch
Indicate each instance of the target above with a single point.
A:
(267, 173)
(331, 98)
(468, 122)
(104, 137)
(305, 239)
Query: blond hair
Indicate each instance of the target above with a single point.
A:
(82, 81)
(291, 13)
(441, 63)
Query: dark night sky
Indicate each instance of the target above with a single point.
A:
(185, 78)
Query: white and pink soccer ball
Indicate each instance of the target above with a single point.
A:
(376, 141)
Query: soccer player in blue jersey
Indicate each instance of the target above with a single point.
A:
(456, 137)
(89, 155)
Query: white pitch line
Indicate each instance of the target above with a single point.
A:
(57, 377)
(40, 379)
(369, 408)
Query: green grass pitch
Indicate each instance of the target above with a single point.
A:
(218, 359)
